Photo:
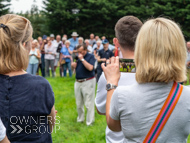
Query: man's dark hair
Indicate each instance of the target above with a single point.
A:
(126, 30)
(82, 45)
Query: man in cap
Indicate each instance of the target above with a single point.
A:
(103, 55)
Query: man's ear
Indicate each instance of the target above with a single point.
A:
(116, 42)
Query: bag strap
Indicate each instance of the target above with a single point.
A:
(164, 113)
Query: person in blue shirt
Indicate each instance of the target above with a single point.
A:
(66, 53)
(74, 40)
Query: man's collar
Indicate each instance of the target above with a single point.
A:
(85, 54)
(106, 50)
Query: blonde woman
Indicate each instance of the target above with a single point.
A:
(34, 57)
(160, 55)
(21, 97)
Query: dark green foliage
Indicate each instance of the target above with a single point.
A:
(38, 20)
(100, 16)
(4, 9)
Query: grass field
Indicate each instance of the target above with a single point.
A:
(68, 130)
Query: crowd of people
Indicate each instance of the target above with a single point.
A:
(48, 53)
(147, 106)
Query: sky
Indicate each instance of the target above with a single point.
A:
(24, 5)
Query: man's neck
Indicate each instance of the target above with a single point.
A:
(85, 53)
(105, 49)
(127, 54)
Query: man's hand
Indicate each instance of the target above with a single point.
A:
(80, 56)
(74, 65)
(103, 60)
(111, 71)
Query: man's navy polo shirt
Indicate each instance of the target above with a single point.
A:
(81, 71)
(104, 54)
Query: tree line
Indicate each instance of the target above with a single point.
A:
(99, 16)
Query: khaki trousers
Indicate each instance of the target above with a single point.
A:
(85, 95)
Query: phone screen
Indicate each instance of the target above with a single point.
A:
(127, 65)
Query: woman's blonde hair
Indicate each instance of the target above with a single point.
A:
(15, 31)
(160, 52)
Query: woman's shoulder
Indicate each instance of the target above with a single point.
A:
(126, 91)
(126, 88)
(30, 80)
(38, 79)
(186, 91)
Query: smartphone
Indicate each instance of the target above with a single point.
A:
(127, 65)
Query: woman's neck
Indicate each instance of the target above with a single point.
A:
(15, 73)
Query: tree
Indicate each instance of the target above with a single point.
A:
(100, 16)
(38, 21)
(4, 9)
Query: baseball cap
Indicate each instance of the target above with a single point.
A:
(105, 41)
(44, 37)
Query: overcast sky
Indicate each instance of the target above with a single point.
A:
(24, 5)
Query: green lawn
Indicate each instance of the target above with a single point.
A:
(70, 131)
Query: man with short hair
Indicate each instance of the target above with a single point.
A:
(126, 30)
(103, 38)
(85, 84)
(97, 38)
(92, 41)
(103, 55)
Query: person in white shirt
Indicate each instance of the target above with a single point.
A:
(89, 47)
(131, 25)
(3, 137)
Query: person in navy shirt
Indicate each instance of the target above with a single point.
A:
(26, 109)
(66, 53)
(103, 55)
(85, 84)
